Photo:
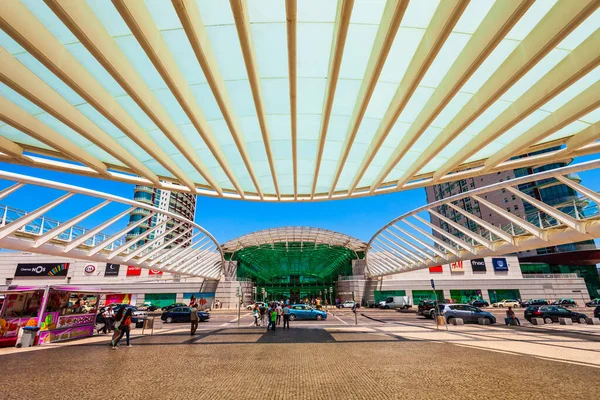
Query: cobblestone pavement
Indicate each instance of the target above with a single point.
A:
(375, 362)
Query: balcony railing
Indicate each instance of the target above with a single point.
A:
(550, 276)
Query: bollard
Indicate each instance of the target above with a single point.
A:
(457, 321)
(537, 321)
(565, 321)
(483, 321)
(592, 321)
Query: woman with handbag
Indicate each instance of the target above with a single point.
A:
(125, 329)
(117, 327)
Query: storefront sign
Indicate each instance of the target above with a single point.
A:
(457, 267)
(89, 269)
(118, 298)
(155, 272)
(70, 321)
(133, 271)
(42, 270)
(112, 270)
(65, 334)
(437, 269)
(500, 264)
(478, 265)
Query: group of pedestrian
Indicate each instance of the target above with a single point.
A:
(122, 327)
(273, 314)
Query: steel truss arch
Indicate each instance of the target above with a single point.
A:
(174, 244)
(406, 243)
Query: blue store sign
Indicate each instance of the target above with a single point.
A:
(500, 264)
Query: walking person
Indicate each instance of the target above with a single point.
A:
(194, 319)
(124, 329)
(279, 313)
(117, 327)
(286, 316)
(109, 316)
(273, 317)
(263, 311)
(510, 317)
(256, 313)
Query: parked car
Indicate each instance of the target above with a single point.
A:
(302, 311)
(136, 315)
(534, 302)
(565, 303)
(251, 306)
(169, 307)
(182, 314)
(397, 302)
(467, 312)
(426, 308)
(597, 312)
(348, 304)
(506, 303)
(479, 303)
(593, 303)
(147, 306)
(552, 314)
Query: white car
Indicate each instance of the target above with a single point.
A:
(506, 303)
(349, 304)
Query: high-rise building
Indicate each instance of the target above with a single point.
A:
(183, 204)
(550, 191)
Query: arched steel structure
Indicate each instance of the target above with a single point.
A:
(406, 243)
(174, 244)
(296, 100)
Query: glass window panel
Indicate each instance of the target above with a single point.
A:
(310, 93)
(226, 46)
(206, 100)
(572, 91)
(281, 150)
(367, 11)
(359, 43)
(192, 135)
(449, 52)
(100, 154)
(567, 131)
(184, 56)
(490, 65)
(523, 126)
(221, 132)
(308, 127)
(16, 135)
(338, 128)
(140, 117)
(257, 151)
(276, 96)
(428, 137)
(456, 145)
(367, 131)
(418, 14)
(307, 149)
(487, 151)
(163, 142)
(209, 160)
(63, 129)
(135, 150)
(369, 175)
(416, 103)
(396, 134)
(19, 100)
(487, 116)
(350, 169)
(433, 165)
(280, 127)
(142, 64)
(346, 94)
(270, 43)
(9, 44)
(472, 16)
(381, 99)
(187, 168)
(50, 21)
(405, 45)
(592, 117)
(171, 105)
(332, 150)
(251, 130)
(317, 10)
(356, 154)
(45, 75)
(215, 12)
(163, 14)
(451, 109)
(313, 48)
(530, 19)
(266, 11)
(535, 74)
(109, 17)
(582, 32)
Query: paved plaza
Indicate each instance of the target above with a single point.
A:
(388, 355)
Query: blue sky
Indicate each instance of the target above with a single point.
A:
(227, 219)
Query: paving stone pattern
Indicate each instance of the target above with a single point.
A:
(248, 363)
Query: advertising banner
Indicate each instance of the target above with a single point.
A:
(436, 269)
(42, 270)
(70, 321)
(112, 270)
(478, 265)
(457, 267)
(133, 271)
(117, 298)
(65, 334)
(155, 272)
(500, 264)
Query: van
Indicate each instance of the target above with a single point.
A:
(397, 302)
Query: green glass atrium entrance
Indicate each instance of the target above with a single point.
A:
(294, 262)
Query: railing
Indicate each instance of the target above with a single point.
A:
(42, 224)
(550, 276)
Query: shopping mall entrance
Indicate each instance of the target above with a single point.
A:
(295, 263)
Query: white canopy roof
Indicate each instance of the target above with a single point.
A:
(296, 100)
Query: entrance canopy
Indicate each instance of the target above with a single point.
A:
(296, 100)
(294, 256)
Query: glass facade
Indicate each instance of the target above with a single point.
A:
(589, 273)
(497, 295)
(419, 295)
(465, 295)
(381, 295)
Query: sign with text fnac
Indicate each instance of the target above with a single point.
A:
(478, 265)
(133, 271)
(457, 267)
(112, 270)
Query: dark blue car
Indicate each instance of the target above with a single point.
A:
(182, 314)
